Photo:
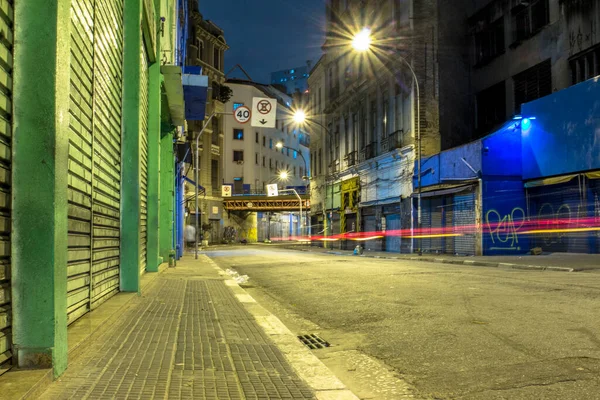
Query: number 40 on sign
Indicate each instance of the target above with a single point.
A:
(242, 114)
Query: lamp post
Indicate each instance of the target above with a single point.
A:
(197, 169)
(362, 42)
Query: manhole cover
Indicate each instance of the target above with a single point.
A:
(313, 341)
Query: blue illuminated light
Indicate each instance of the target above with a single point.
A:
(525, 125)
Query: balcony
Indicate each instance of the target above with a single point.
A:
(334, 167)
(351, 159)
(368, 152)
(396, 140)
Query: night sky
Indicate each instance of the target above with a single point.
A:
(268, 35)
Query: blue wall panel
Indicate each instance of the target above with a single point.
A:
(502, 152)
(564, 137)
(504, 216)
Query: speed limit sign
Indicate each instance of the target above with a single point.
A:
(242, 114)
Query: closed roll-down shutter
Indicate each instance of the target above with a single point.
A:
(464, 223)
(393, 223)
(6, 67)
(94, 180)
(143, 157)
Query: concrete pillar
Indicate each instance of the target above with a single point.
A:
(167, 193)
(152, 252)
(131, 164)
(39, 194)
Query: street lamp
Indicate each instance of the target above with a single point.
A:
(362, 42)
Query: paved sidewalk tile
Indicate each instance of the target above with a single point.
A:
(188, 337)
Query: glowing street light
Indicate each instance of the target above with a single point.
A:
(362, 40)
(283, 175)
(279, 145)
(299, 116)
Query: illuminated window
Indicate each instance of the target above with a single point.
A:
(238, 134)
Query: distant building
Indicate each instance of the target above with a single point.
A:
(294, 79)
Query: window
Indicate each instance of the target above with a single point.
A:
(386, 113)
(238, 155)
(295, 154)
(238, 134)
(288, 152)
(256, 139)
(200, 45)
(354, 130)
(215, 131)
(214, 174)
(256, 158)
(532, 84)
(373, 120)
(264, 161)
(320, 161)
(585, 65)
(270, 143)
(489, 42)
(491, 107)
(264, 141)
(277, 165)
(529, 18)
(216, 58)
(294, 171)
(301, 172)
(237, 105)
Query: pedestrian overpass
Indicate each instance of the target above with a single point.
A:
(264, 203)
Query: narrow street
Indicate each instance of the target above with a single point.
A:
(448, 331)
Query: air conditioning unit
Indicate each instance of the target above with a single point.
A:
(240, 162)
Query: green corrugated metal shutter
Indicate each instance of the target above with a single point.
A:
(94, 153)
(108, 81)
(143, 156)
(6, 67)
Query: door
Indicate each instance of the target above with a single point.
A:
(6, 67)
(94, 177)
(393, 240)
(464, 223)
(143, 157)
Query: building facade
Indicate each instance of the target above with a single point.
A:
(88, 163)
(293, 79)
(252, 160)
(205, 50)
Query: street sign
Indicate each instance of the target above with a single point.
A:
(272, 190)
(242, 114)
(264, 112)
(225, 190)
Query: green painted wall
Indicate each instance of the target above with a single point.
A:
(154, 100)
(167, 189)
(131, 164)
(39, 196)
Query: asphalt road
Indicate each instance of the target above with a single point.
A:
(451, 332)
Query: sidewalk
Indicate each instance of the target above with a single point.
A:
(195, 334)
(564, 262)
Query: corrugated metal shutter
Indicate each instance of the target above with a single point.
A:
(448, 224)
(555, 206)
(80, 159)
(94, 154)
(464, 216)
(6, 67)
(436, 225)
(425, 242)
(393, 223)
(143, 156)
(108, 62)
(595, 202)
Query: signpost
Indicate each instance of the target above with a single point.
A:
(264, 112)
(242, 114)
(225, 190)
(272, 190)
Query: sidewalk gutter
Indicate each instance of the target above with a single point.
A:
(440, 260)
(21, 384)
(308, 367)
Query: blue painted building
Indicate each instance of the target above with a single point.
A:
(535, 182)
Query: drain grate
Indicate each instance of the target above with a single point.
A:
(313, 341)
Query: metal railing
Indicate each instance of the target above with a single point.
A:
(396, 140)
(368, 152)
(351, 159)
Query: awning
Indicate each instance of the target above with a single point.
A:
(593, 175)
(195, 92)
(389, 200)
(173, 85)
(443, 192)
(200, 187)
(550, 181)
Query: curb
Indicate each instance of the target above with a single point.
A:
(308, 366)
(472, 263)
